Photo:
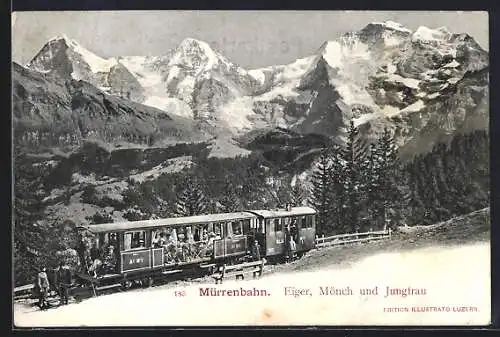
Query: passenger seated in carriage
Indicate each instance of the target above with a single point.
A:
(113, 240)
(189, 235)
(162, 239)
(110, 260)
(173, 237)
(95, 267)
(158, 240)
(204, 235)
(94, 251)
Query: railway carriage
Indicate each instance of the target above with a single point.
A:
(275, 225)
(144, 250)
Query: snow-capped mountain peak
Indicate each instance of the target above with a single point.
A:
(195, 55)
(381, 72)
(426, 34)
(392, 26)
(97, 64)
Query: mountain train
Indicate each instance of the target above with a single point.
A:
(121, 254)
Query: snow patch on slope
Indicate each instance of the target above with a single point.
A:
(169, 104)
(415, 107)
(138, 66)
(407, 81)
(236, 113)
(258, 75)
(344, 52)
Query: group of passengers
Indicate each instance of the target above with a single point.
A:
(186, 245)
(98, 261)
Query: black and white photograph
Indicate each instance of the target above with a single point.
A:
(250, 168)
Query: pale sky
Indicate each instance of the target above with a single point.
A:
(251, 39)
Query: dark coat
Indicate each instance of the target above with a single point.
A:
(255, 251)
(63, 276)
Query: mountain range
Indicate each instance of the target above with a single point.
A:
(97, 138)
(427, 85)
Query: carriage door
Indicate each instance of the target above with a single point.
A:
(275, 243)
(306, 233)
(235, 240)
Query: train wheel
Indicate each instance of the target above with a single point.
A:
(126, 285)
(147, 282)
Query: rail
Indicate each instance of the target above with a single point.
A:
(326, 241)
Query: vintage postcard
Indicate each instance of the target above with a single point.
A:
(250, 168)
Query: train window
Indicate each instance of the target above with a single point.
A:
(261, 226)
(270, 225)
(278, 226)
(218, 230)
(237, 227)
(134, 240)
(198, 231)
(158, 238)
(246, 226)
(309, 221)
(303, 222)
(188, 234)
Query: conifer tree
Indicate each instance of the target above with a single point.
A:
(355, 156)
(385, 189)
(321, 193)
(298, 194)
(191, 200)
(229, 202)
(338, 192)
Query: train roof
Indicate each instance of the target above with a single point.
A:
(283, 212)
(171, 222)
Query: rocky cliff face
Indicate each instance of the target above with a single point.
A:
(66, 59)
(48, 112)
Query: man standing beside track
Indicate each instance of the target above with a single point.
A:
(43, 288)
(64, 282)
(255, 250)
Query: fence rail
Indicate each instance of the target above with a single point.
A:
(23, 291)
(326, 241)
